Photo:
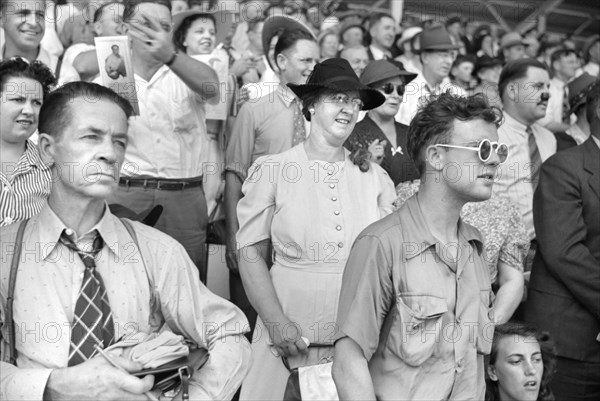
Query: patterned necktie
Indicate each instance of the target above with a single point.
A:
(534, 157)
(299, 128)
(92, 321)
(565, 106)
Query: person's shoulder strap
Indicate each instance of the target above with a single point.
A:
(12, 279)
(132, 233)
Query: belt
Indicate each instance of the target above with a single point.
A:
(161, 184)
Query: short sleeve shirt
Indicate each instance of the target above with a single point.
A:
(436, 309)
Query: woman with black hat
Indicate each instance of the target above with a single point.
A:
(311, 202)
(379, 133)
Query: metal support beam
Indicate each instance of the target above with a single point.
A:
(583, 26)
(531, 20)
(495, 14)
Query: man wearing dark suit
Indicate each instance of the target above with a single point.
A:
(564, 291)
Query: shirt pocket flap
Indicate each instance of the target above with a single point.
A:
(425, 306)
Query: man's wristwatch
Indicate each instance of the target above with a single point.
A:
(172, 59)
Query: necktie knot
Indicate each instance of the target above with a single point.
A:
(87, 256)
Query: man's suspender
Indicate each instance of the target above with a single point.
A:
(14, 266)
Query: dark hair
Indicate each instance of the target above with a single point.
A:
(131, 5)
(4, 4)
(374, 18)
(560, 53)
(180, 34)
(515, 329)
(434, 122)
(288, 38)
(19, 67)
(55, 113)
(100, 10)
(462, 58)
(591, 100)
(517, 69)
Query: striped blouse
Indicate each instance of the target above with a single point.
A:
(27, 190)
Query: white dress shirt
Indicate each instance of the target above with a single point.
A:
(513, 179)
(168, 139)
(164, 289)
(418, 91)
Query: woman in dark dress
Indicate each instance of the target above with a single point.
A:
(378, 136)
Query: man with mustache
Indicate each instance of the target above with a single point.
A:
(85, 279)
(524, 88)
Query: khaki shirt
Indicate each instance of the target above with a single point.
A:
(438, 309)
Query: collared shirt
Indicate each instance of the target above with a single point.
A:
(418, 91)
(168, 138)
(597, 140)
(379, 54)
(143, 296)
(554, 111)
(439, 308)
(513, 180)
(24, 194)
(263, 127)
(575, 132)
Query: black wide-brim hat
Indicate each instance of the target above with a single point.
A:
(338, 75)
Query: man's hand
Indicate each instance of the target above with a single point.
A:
(242, 65)
(377, 150)
(156, 39)
(96, 379)
(285, 338)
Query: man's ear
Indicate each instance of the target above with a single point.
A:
(123, 28)
(98, 28)
(281, 61)
(492, 373)
(434, 157)
(46, 146)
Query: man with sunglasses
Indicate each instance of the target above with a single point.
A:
(164, 162)
(438, 49)
(378, 132)
(416, 323)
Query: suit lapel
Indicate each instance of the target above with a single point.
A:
(591, 164)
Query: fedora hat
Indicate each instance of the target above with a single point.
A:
(437, 38)
(223, 21)
(379, 70)
(338, 75)
(149, 216)
(274, 26)
(578, 89)
(510, 39)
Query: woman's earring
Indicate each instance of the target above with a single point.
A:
(312, 111)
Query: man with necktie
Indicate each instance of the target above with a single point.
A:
(84, 281)
(524, 89)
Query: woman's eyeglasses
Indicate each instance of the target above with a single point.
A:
(342, 99)
(484, 149)
(389, 88)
